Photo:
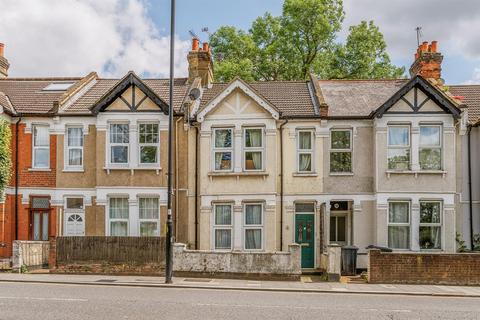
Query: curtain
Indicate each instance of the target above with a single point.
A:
(41, 137)
(223, 138)
(118, 208)
(429, 135)
(223, 215)
(118, 228)
(148, 229)
(253, 138)
(305, 162)
(218, 160)
(223, 239)
(398, 212)
(430, 237)
(253, 214)
(257, 160)
(148, 208)
(253, 239)
(75, 157)
(75, 137)
(305, 141)
(399, 237)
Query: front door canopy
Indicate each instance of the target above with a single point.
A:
(130, 80)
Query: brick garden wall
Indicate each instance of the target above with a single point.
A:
(424, 268)
(107, 255)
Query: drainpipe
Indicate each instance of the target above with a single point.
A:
(16, 177)
(197, 147)
(281, 183)
(470, 200)
(177, 187)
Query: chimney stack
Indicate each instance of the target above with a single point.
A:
(428, 61)
(4, 65)
(200, 63)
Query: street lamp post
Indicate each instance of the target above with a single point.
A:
(168, 242)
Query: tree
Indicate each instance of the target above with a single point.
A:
(300, 41)
(5, 155)
(364, 55)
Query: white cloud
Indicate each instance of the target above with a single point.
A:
(475, 77)
(72, 38)
(453, 23)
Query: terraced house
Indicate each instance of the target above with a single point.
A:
(258, 165)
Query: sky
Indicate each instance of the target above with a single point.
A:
(74, 37)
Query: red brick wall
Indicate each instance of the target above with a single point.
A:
(424, 268)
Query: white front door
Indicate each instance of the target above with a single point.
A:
(75, 224)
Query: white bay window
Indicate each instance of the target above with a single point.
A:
(149, 216)
(399, 225)
(253, 149)
(223, 149)
(148, 139)
(430, 149)
(74, 147)
(119, 143)
(430, 228)
(305, 151)
(222, 228)
(398, 147)
(341, 151)
(118, 216)
(253, 226)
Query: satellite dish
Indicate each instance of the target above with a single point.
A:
(194, 94)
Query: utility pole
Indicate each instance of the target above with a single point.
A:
(168, 242)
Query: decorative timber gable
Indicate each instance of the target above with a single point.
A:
(419, 96)
(130, 94)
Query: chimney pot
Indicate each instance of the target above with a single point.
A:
(206, 46)
(434, 46)
(195, 44)
(424, 46)
(428, 61)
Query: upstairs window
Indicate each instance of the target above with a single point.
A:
(41, 147)
(223, 149)
(430, 151)
(399, 147)
(148, 138)
(74, 147)
(253, 149)
(305, 151)
(119, 140)
(341, 151)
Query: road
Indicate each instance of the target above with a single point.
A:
(60, 301)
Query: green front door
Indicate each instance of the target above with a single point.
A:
(305, 236)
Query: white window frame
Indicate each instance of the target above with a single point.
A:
(306, 151)
(223, 226)
(125, 144)
(348, 150)
(436, 224)
(216, 149)
(156, 145)
(396, 147)
(253, 149)
(401, 224)
(68, 211)
(110, 220)
(34, 147)
(440, 146)
(253, 226)
(68, 148)
(337, 215)
(140, 220)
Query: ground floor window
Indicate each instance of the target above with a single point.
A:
(430, 229)
(399, 225)
(253, 226)
(222, 228)
(149, 215)
(338, 227)
(118, 214)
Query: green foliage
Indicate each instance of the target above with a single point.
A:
(300, 41)
(23, 269)
(476, 242)
(461, 247)
(5, 155)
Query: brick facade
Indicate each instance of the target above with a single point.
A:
(424, 268)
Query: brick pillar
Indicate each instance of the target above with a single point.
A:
(52, 253)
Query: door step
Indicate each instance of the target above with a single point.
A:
(353, 279)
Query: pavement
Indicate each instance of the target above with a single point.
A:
(307, 284)
(52, 301)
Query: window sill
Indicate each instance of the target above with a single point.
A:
(40, 169)
(416, 172)
(341, 174)
(73, 170)
(305, 174)
(238, 174)
(132, 170)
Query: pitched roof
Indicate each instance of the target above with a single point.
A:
(26, 94)
(471, 94)
(102, 86)
(357, 98)
(291, 98)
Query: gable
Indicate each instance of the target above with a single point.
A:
(238, 98)
(130, 94)
(238, 103)
(418, 96)
(415, 101)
